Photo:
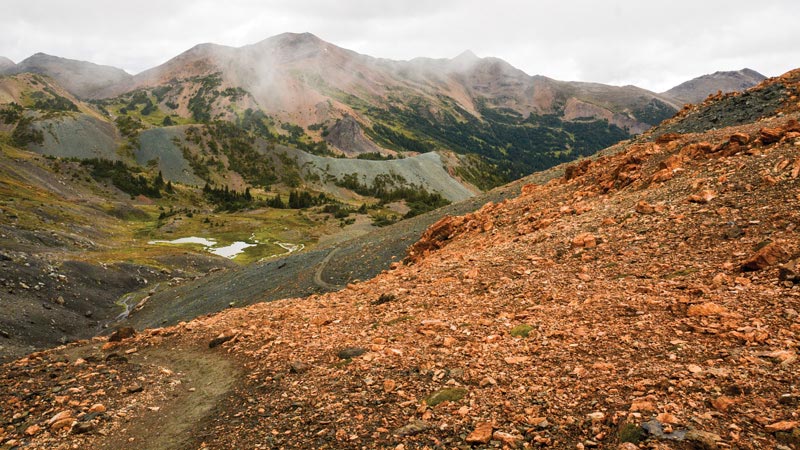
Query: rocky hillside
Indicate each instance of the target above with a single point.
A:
(646, 299)
(44, 117)
(81, 78)
(360, 104)
(697, 89)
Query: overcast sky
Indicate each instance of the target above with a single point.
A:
(654, 45)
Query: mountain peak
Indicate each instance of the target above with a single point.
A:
(295, 39)
(466, 55)
(80, 78)
(40, 56)
(464, 61)
(6, 63)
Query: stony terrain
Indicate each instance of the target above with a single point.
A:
(328, 267)
(646, 299)
(67, 253)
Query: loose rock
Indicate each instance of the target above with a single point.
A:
(482, 433)
(121, 333)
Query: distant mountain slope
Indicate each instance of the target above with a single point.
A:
(301, 91)
(81, 78)
(465, 104)
(6, 64)
(699, 88)
(52, 121)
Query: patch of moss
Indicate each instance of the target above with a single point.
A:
(632, 433)
(400, 319)
(446, 395)
(789, 438)
(521, 331)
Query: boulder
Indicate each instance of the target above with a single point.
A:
(771, 135)
(121, 333)
(767, 256)
(739, 138)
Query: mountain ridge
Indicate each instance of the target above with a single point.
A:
(697, 89)
(465, 104)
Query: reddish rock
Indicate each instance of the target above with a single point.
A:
(642, 406)
(662, 176)
(575, 170)
(667, 138)
(703, 197)
(530, 188)
(584, 240)
(769, 255)
(739, 138)
(298, 366)
(645, 208)
(59, 416)
(668, 418)
(435, 237)
(507, 438)
(706, 309)
(723, 403)
(219, 340)
(771, 135)
(63, 423)
(786, 425)
(482, 433)
(792, 126)
(97, 408)
(790, 271)
(672, 162)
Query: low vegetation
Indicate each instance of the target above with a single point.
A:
(391, 188)
(128, 179)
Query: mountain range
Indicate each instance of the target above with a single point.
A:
(361, 104)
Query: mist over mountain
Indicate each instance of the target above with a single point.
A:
(467, 104)
(6, 64)
(81, 78)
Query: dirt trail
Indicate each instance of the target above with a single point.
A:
(207, 378)
(321, 267)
